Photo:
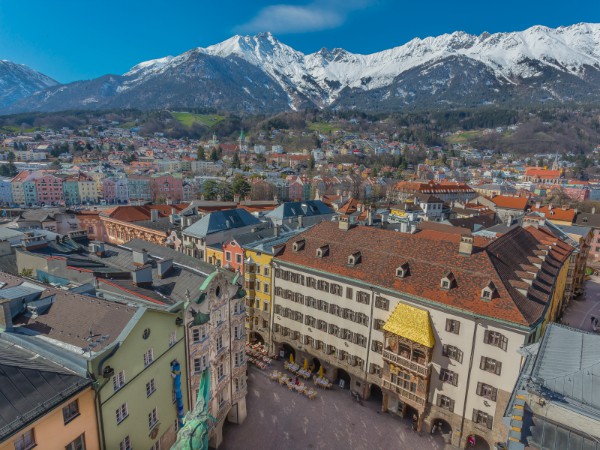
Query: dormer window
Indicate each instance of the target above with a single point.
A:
(298, 245)
(322, 251)
(354, 259)
(403, 271)
(489, 291)
(448, 281)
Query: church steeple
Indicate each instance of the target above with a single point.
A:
(555, 165)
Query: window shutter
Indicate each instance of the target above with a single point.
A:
(482, 363)
(455, 379)
(442, 374)
(486, 336)
(479, 386)
(475, 415)
(451, 405)
(503, 342)
(489, 421)
(498, 367)
(445, 350)
(494, 394)
(447, 324)
(439, 400)
(459, 354)
(457, 327)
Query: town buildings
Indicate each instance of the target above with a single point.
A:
(430, 321)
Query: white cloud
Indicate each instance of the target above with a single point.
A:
(316, 16)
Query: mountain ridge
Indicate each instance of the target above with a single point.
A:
(536, 65)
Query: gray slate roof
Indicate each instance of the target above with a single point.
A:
(295, 209)
(568, 364)
(221, 221)
(30, 386)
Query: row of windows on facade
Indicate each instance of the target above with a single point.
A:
(122, 413)
(331, 308)
(341, 355)
(480, 417)
(255, 286)
(26, 441)
(342, 333)
(256, 268)
(332, 288)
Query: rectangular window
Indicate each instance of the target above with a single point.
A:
(125, 444)
(487, 391)
(172, 339)
(453, 352)
(377, 346)
(349, 294)
(452, 326)
(490, 365)
(150, 388)
(219, 343)
(70, 411)
(382, 303)
(122, 413)
(148, 357)
(77, 444)
(445, 402)
(196, 335)
(238, 259)
(228, 256)
(447, 376)
(482, 418)
(496, 339)
(378, 324)
(119, 380)
(152, 419)
(25, 441)
(220, 371)
(363, 297)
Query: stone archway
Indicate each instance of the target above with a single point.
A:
(255, 336)
(288, 350)
(344, 377)
(440, 426)
(375, 394)
(316, 365)
(480, 443)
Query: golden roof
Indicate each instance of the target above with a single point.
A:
(411, 323)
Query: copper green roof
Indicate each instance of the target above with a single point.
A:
(411, 323)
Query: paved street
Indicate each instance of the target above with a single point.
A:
(281, 419)
(578, 313)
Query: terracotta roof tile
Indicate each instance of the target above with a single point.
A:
(430, 255)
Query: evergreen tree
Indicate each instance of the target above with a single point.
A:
(214, 156)
(236, 161)
(201, 154)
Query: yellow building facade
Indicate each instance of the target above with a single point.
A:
(258, 284)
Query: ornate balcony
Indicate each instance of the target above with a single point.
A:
(404, 393)
(405, 363)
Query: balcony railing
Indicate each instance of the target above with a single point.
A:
(404, 393)
(406, 363)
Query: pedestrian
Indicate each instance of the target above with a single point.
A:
(471, 441)
(593, 319)
(414, 422)
(434, 429)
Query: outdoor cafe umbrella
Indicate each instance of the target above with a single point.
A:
(321, 372)
(305, 367)
(292, 358)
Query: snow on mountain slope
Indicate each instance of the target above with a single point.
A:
(18, 81)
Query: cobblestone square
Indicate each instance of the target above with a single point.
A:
(282, 419)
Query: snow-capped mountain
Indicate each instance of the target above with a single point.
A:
(261, 74)
(18, 81)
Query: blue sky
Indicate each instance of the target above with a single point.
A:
(81, 39)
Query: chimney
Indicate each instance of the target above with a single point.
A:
(140, 258)
(300, 222)
(164, 267)
(142, 276)
(370, 217)
(6, 323)
(537, 205)
(154, 215)
(99, 249)
(466, 245)
(276, 230)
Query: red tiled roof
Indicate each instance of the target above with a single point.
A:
(431, 255)
(567, 215)
(509, 202)
(542, 173)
